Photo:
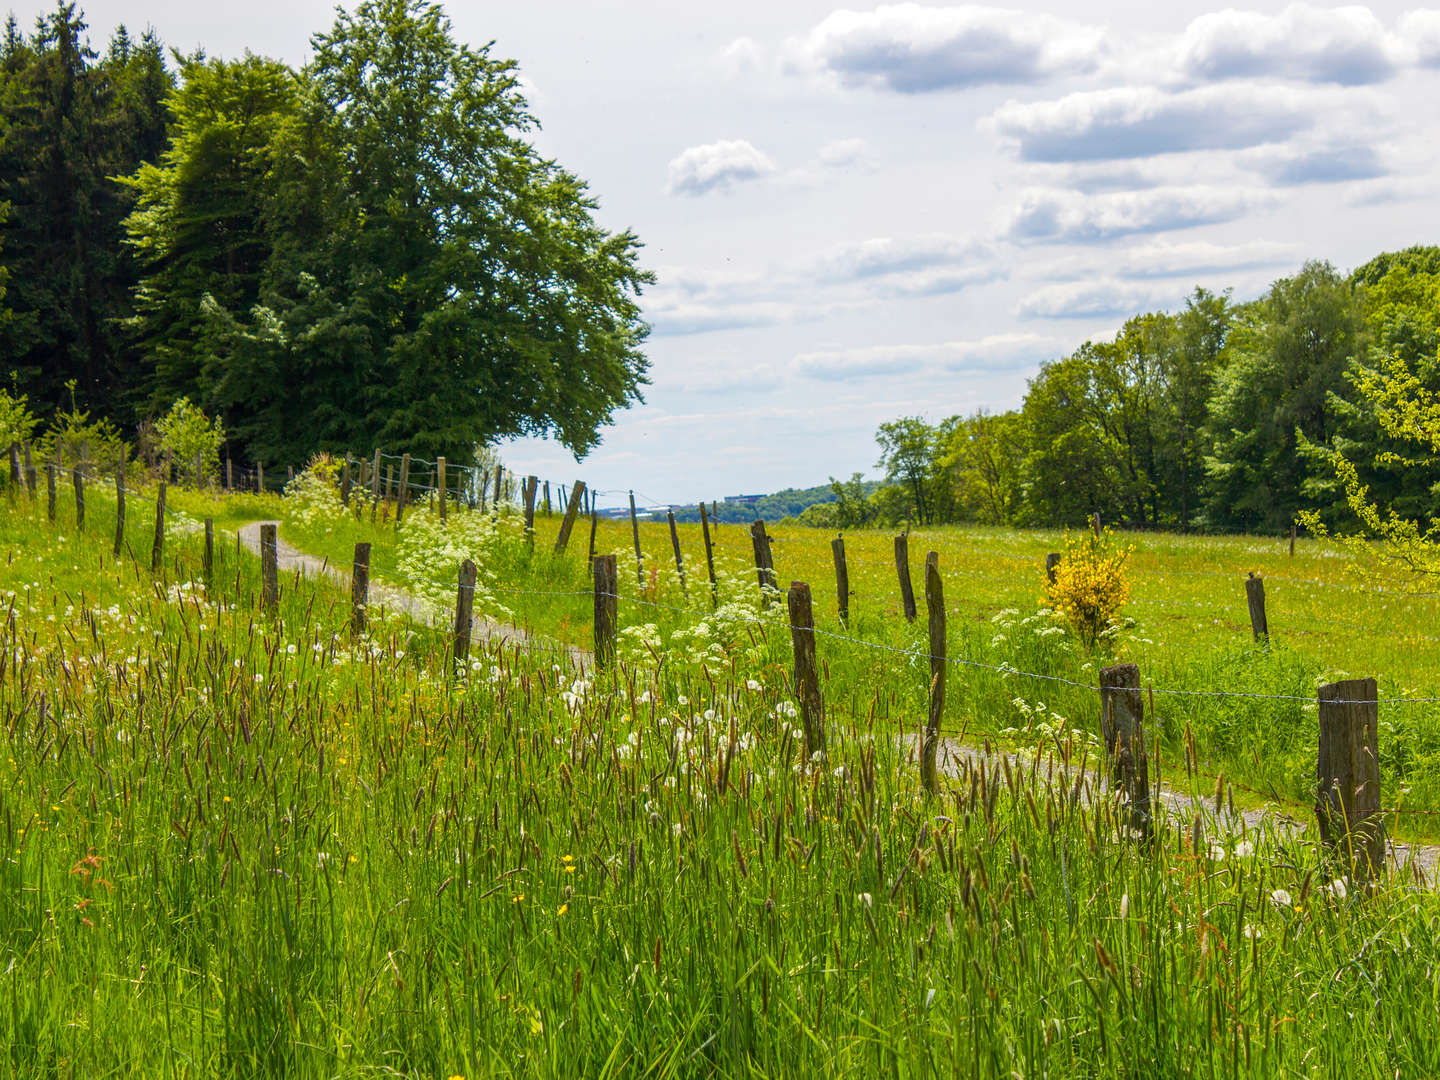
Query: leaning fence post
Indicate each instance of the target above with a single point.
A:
(935, 605)
(157, 550)
(765, 563)
(607, 588)
(675, 543)
(807, 677)
(1123, 728)
(1347, 769)
(842, 578)
(120, 506)
(464, 608)
(709, 555)
(360, 588)
(79, 480)
(1052, 560)
(571, 509)
(635, 531)
(1255, 595)
(531, 483)
(902, 568)
(590, 560)
(269, 569)
(50, 490)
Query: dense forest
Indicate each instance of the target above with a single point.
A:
(1224, 415)
(365, 251)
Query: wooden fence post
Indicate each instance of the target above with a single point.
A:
(404, 494)
(635, 531)
(289, 474)
(1292, 540)
(902, 568)
(464, 611)
(375, 479)
(1347, 769)
(259, 478)
(607, 588)
(17, 478)
(119, 507)
(1255, 596)
(590, 562)
(547, 498)
(571, 509)
(1123, 728)
(360, 589)
(935, 606)
(208, 567)
(50, 486)
(675, 543)
(157, 549)
(29, 471)
(807, 676)
(229, 475)
(765, 563)
(1052, 560)
(345, 482)
(441, 485)
(484, 488)
(531, 483)
(269, 569)
(78, 479)
(709, 555)
(842, 578)
(499, 477)
(1095, 523)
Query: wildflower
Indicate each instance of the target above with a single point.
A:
(1124, 905)
(865, 899)
(1217, 852)
(563, 908)
(1280, 898)
(1252, 931)
(1338, 889)
(752, 685)
(517, 898)
(1244, 849)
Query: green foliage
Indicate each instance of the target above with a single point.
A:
(191, 440)
(72, 436)
(908, 454)
(1090, 586)
(16, 421)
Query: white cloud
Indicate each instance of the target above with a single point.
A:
(999, 352)
(742, 57)
(1089, 299)
(1051, 215)
(842, 153)
(1421, 30)
(1345, 45)
(1136, 122)
(885, 255)
(1171, 259)
(912, 48)
(1323, 164)
(717, 166)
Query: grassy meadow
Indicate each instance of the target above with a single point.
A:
(242, 845)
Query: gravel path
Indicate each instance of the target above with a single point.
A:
(388, 598)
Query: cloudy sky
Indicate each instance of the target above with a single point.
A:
(862, 213)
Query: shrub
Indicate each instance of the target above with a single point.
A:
(16, 423)
(73, 436)
(186, 434)
(1089, 585)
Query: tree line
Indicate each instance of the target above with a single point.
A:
(1223, 415)
(364, 251)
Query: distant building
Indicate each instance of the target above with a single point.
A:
(744, 500)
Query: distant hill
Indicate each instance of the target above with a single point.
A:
(782, 504)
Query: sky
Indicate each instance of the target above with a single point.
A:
(861, 213)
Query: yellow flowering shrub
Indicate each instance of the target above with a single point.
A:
(1089, 585)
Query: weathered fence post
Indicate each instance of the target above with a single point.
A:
(571, 509)
(229, 475)
(442, 485)
(17, 478)
(590, 561)
(607, 588)
(1255, 595)
(1347, 769)
(269, 569)
(78, 479)
(1095, 523)
(208, 567)
(1123, 728)
(50, 486)
(484, 488)
(29, 472)
(842, 578)
(1052, 560)
(902, 568)
(157, 549)
(675, 543)
(289, 474)
(635, 531)
(807, 676)
(935, 605)
(345, 482)
(404, 494)
(375, 479)
(499, 478)
(530, 485)
(765, 563)
(1292, 540)
(464, 609)
(547, 498)
(120, 506)
(259, 478)
(360, 588)
(709, 555)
